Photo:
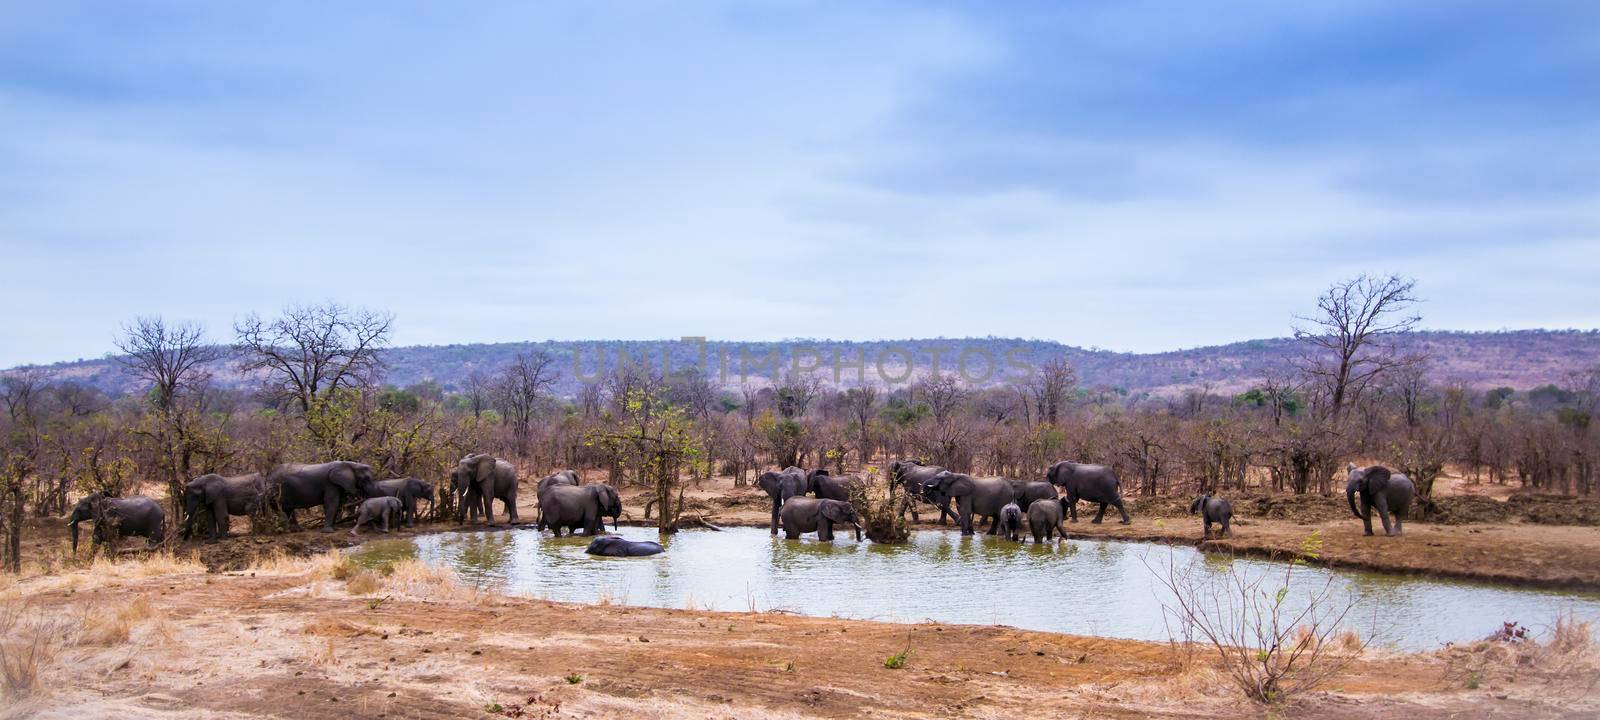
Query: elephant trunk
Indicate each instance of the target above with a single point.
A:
(191, 504)
(72, 527)
(858, 531)
(1350, 495)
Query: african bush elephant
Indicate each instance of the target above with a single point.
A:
(483, 478)
(613, 546)
(564, 477)
(137, 515)
(916, 483)
(801, 515)
(834, 487)
(408, 491)
(376, 509)
(582, 507)
(1213, 510)
(1095, 483)
(295, 486)
(1011, 522)
(780, 485)
(1044, 520)
(976, 496)
(1031, 490)
(1381, 488)
(219, 498)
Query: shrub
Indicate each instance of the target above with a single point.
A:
(879, 511)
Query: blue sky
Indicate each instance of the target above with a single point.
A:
(1129, 175)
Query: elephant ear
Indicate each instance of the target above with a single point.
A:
(344, 475)
(1194, 507)
(1376, 475)
(835, 510)
(1053, 475)
(483, 467)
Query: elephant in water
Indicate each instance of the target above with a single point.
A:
(1212, 511)
(976, 496)
(408, 491)
(297, 486)
(584, 507)
(834, 487)
(1381, 488)
(1044, 520)
(377, 509)
(613, 546)
(1011, 522)
(780, 485)
(564, 477)
(1095, 483)
(480, 478)
(917, 482)
(802, 515)
(217, 498)
(137, 515)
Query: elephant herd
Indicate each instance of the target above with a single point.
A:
(1007, 503)
(476, 482)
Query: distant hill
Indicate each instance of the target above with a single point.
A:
(1520, 359)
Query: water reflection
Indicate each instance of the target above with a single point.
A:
(1085, 587)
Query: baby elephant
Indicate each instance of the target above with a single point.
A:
(613, 546)
(1044, 519)
(1011, 522)
(801, 514)
(375, 508)
(1213, 510)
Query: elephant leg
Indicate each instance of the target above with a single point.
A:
(1206, 535)
(1072, 508)
(994, 525)
(776, 503)
(511, 506)
(1227, 527)
(965, 506)
(488, 506)
(330, 509)
(1366, 516)
(1099, 515)
(824, 530)
(289, 521)
(1124, 511)
(1383, 513)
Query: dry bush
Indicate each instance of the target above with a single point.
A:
(1567, 653)
(30, 638)
(362, 583)
(1271, 650)
(876, 503)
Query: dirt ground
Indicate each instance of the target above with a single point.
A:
(313, 638)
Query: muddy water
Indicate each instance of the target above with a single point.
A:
(1105, 588)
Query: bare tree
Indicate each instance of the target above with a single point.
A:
(862, 404)
(943, 394)
(795, 393)
(1049, 387)
(311, 351)
(521, 388)
(1350, 343)
(172, 358)
(478, 393)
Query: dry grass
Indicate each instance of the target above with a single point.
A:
(103, 571)
(30, 638)
(1566, 662)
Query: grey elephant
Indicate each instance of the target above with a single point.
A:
(217, 498)
(408, 491)
(835, 487)
(1213, 511)
(482, 478)
(801, 515)
(131, 516)
(563, 477)
(613, 546)
(1011, 522)
(1044, 520)
(375, 510)
(1030, 490)
(916, 482)
(580, 508)
(975, 496)
(1381, 488)
(296, 486)
(1094, 483)
(780, 485)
